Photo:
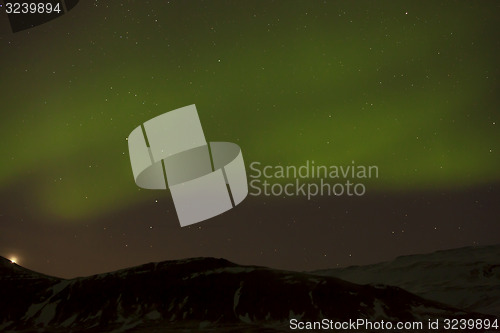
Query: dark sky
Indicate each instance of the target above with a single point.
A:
(409, 87)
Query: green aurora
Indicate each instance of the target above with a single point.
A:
(411, 87)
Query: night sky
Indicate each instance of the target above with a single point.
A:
(411, 87)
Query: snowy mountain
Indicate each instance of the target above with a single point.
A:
(467, 278)
(202, 294)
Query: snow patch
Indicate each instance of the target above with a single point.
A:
(378, 310)
(153, 315)
(292, 315)
(237, 295)
(231, 270)
(246, 318)
(5, 325)
(69, 321)
(47, 314)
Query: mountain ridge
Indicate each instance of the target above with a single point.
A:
(200, 294)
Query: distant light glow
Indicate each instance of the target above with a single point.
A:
(13, 260)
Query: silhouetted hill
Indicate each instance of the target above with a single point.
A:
(199, 294)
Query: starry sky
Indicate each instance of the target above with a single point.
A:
(411, 87)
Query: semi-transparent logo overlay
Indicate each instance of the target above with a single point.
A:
(205, 179)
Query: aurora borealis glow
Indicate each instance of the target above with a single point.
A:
(411, 87)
